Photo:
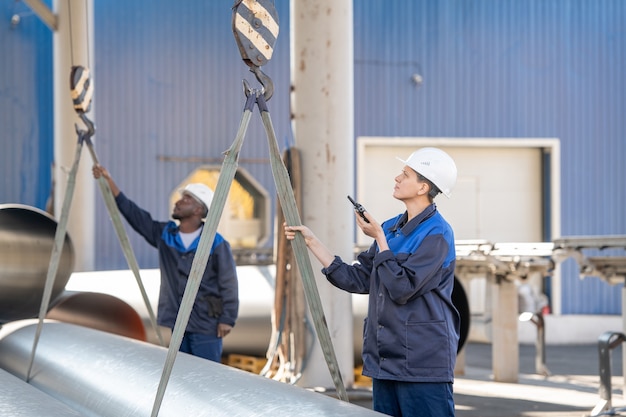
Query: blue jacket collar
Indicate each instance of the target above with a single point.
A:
(172, 239)
(408, 226)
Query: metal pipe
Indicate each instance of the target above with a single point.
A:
(26, 241)
(251, 335)
(17, 398)
(99, 311)
(100, 374)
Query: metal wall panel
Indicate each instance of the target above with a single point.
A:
(508, 68)
(168, 92)
(26, 135)
(170, 99)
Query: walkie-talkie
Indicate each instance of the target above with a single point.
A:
(359, 208)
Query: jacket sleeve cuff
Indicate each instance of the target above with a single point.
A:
(336, 263)
(382, 257)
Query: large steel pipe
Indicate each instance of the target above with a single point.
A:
(26, 242)
(18, 399)
(105, 375)
(99, 311)
(251, 335)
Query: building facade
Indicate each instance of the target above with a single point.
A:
(169, 100)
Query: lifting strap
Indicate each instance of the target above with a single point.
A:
(122, 236)
(57, 250)
(255, 27)
(286, 351)
(292, 217)
(82, 92)
(227, 174)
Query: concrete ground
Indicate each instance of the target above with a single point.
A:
(571, 389)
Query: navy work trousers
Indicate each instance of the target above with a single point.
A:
(203, 345)
(404, 399)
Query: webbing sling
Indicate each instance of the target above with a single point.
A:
(287, 199)
(292, 217)
(227, 174)
(81, 91)
(57, 249)
(122, 236)
(255, 27)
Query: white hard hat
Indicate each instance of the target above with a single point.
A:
(435, 165)
(200, 192)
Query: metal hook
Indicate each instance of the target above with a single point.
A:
(85, 135)
(255, 27)
(265, 80)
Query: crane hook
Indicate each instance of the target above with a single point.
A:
(255, 27)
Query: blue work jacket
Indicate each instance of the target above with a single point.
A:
(219, 279)
(411, 332)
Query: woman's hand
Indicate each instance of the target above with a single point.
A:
(290, 232)
(374, 230)
(316, 247)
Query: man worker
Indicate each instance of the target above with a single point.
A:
(216, 305)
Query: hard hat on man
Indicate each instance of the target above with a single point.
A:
(201, 193)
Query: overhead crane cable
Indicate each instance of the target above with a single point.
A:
(71, 37)
(107, 195)
(69, 13)
(81, 93)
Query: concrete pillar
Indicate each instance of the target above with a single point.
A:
(73, 45)
(505, 347)
(323, 123)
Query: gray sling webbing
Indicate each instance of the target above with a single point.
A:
(287, 199)
(227, 174)
(57, 250)
(116, 219)
(61, 232)
(292, 217)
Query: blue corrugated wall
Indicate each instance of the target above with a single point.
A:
(170, 99)
(26, 129)
(494, 68)
(168, 96)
